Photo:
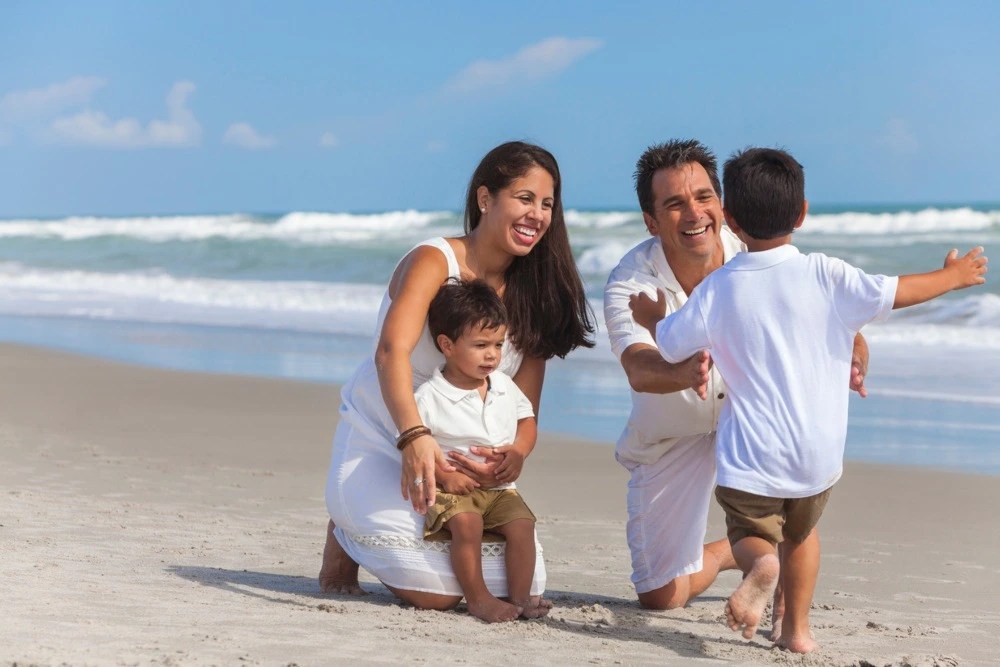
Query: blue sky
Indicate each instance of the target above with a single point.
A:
(111, 108)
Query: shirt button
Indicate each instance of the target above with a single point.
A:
(721, 396)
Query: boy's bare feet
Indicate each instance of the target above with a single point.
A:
(775, 635)
(777, 615)
(746, 605)
(798, 644)
(493, 610)
(338, 573)
(534, 607)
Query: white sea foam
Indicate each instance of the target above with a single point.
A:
(152, 297)
(298, 227)
(972, 322)
(601, 219)
(929, 220)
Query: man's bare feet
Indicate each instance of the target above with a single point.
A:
(798, 644)
(534, 607)
(493, 610)
(746, 606)
(338, 574)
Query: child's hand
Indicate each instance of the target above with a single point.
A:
(968, 270)
(511, 461)
(457, 483)
(647, 312)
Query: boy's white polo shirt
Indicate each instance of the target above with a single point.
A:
(780, 326)
(459, 418)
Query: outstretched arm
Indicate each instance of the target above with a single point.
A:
(649, 372)
(958, 273)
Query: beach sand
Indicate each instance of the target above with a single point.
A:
(153, 517)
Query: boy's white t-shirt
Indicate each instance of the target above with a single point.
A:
(780, 326)
(459, 418)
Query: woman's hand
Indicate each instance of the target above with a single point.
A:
(482, 472)
(457, 483)
(418, 482)
(509, 461)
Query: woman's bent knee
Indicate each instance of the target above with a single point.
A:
(430, 601)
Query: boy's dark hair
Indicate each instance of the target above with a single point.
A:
(462, 304)
(671, 155)
(765, 190)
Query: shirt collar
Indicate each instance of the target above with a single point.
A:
(752, 261)
(731, 246)
(456, 394)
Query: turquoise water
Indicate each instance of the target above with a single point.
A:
(296, 296)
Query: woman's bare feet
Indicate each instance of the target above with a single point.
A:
(746, 606)
(338, 574)
(493, 610)
(534, 607)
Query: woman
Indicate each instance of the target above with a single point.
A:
(516, 240)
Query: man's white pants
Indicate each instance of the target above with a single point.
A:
(668, 511)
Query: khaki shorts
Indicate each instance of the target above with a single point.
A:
(497, 507)
(772, 519)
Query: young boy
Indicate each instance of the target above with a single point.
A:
(467, 403)
(780, 326)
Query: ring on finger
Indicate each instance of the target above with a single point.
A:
(418, 481)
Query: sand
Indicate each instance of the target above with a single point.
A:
(157, 518)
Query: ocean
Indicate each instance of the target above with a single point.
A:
(296, 296)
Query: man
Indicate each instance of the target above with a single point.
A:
(668, 444)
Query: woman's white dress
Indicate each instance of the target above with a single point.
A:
(374, 525)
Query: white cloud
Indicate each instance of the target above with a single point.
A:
(329, 140)
(532, 63)
(96, 129)
(244, 136)
(898, 137)
(27, 104)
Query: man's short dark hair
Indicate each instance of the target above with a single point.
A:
(462, 304)
(765, 191)
(671, 155)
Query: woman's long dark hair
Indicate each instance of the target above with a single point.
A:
(546, 305)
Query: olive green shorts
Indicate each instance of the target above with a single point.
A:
(496, 506)
(772, 519)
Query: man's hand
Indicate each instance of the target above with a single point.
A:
(457, 483)
(646, 312)
(859, 366)
(696, 368)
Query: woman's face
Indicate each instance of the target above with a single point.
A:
(520, 214)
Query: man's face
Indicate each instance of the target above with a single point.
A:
(687, 213)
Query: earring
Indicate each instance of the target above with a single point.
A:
(482, 210)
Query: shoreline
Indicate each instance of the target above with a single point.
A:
(172, 517)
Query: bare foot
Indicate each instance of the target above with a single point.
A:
(534, 607)
(338, 574)
(746, 605)
(798, 644)
(777, 615)
(776, 618)
(539, 601)
(493, 610)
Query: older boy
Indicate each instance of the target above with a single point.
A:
(780, 326)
